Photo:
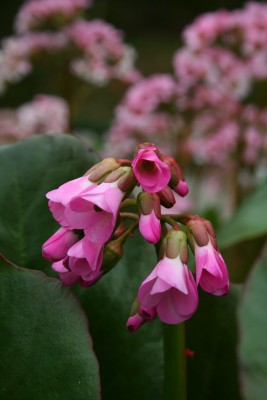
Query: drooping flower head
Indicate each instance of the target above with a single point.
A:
(100, 210)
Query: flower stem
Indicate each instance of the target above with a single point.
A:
(174, 362)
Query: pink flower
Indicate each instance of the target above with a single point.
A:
(152, 173)
(82, 263)
(211, 271)
(59, 198)
(66, 276)
(95, 210)
(85, 260)
(57, 246)
(104, 56)
(148, 313)
(171, 289)
(34, 14)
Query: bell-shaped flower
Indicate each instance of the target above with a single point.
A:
(85, 258)
(149, 220)
(211, 271)
(95, 210)
(152, 173)
(59, 198)
(57, 246)
(170, 287)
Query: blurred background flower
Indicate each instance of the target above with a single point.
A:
(196, 89)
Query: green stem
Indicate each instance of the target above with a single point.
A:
(129, 215)
(174, 362)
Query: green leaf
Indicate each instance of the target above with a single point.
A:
(29, 169)
(131, 365)
(250, 220)
(46, 350)
(253, 333)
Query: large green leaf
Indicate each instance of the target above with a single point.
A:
(46, 351)
(29, 169)
(131, 365)
(253, 333)
(250, 220)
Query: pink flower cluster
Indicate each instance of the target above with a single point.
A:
(213, 110)
(99, 53)
(44, 115)
(104, 56)
(92, 211)
(18, 52)
(37, 13)
(147, 112)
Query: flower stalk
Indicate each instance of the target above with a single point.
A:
(174, 362)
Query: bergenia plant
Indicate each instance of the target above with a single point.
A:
(99, 211)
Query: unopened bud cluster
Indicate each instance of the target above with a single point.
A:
(98, 212)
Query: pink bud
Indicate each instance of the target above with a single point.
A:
(150, 228)
(152, 173)
(211, 271)
(134, 322)
(149, 221)
(57, 246)
(181, 188)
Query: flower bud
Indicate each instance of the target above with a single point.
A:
(177, 181)
(145, 145)
(124, 177)
(200, 232)
(134, 322)
(166, 196)
(174, 245)
(149, 221)
(99, 171)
